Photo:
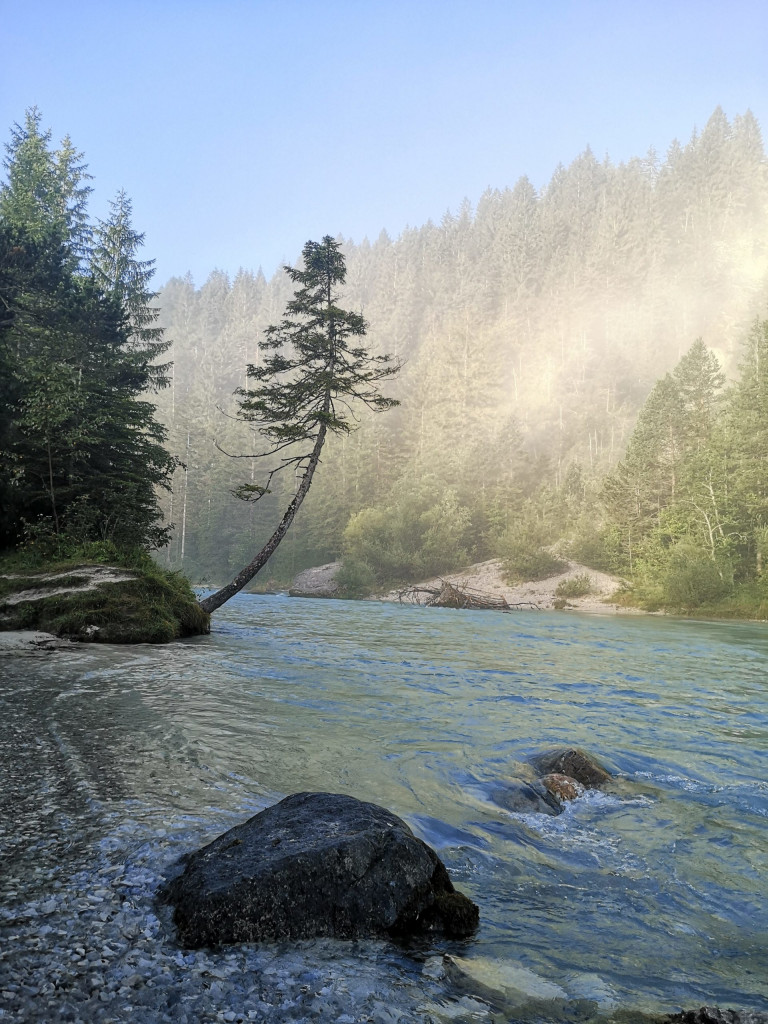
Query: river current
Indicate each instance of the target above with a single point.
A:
(115, 761)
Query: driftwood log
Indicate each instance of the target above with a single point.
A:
(454, 595)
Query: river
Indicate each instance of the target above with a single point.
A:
(115, 761)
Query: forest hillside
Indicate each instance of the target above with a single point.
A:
(532, 328)
(82, 456)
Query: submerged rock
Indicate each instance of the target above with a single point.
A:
(316, 864)
(562, 787)
(500, 981)
(574, 763)
(525, 797)
(593, 988)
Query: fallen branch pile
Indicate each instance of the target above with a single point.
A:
(453, 595)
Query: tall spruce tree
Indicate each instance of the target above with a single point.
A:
(115, 268)
(746, 434)
(80, 450)
(46, 195)
(313, 370)
(669, 457)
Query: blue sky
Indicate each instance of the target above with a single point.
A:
(241, 129)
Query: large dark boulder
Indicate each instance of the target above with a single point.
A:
(316, 864)
(574, 763)
(714, 1015)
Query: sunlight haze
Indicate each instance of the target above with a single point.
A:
(242, 129)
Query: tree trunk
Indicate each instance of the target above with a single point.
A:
(214, 601)
(52, 489)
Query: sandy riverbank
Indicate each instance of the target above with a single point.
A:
(486, 578)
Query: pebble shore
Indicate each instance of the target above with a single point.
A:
(97, 948)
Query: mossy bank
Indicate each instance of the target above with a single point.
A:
(105, 603)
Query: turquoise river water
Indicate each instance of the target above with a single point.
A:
(651, 897)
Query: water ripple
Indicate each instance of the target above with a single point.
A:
(658, 889)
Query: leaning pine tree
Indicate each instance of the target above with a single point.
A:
(305, 388)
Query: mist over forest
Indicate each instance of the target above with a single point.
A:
(403, 806)
(532, 327)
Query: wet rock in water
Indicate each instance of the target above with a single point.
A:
(525, 797)
(316, 864)
(562, 787)
(714, 1015)
(500, 981)
(574, 763)
(319, 581)
(593, 988)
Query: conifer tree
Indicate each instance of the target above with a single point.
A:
(80, 450)
(45, 194)
(669, 457)
(115, 268)
(747, 439)
(314, 369)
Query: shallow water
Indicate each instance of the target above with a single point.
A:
(115, 761)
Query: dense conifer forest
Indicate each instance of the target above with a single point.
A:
(82, 453)
(565, 355)
(583, 373)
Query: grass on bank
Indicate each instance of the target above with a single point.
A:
(575, 586)
(524, 563)
(154, 606)
(747, 601)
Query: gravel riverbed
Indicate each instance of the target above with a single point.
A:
(116, 761)
(97, 947)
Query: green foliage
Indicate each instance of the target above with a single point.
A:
(116, 270)
(743, 445)
(313, 367)
(748, 600)
(81, 453)
(679, 576)
(700, 540)
(575, 586)
(523, 563)
(525, 549)
(410, 540)
(671, 460)
(692, 579)
(356, 579)
(304, 389)
(45, 196)
(44, 547)
(596, 545)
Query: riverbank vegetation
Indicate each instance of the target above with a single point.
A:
(82, 454)
(686, 509)
(583, 378)
(554, 396)
(102, 594)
